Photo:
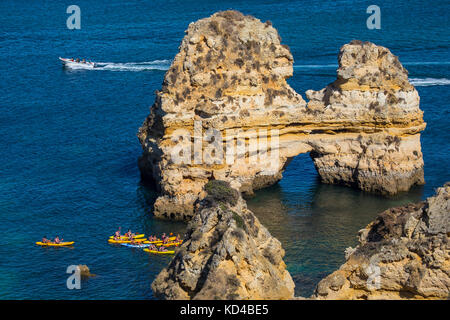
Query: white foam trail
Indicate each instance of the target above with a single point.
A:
(127, 66)
(135, 66)
(426, 82)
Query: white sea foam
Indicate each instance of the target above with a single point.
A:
(426, 82)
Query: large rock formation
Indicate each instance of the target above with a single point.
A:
(228, 85)
(227, 254)
(374, 113)
(403, 254)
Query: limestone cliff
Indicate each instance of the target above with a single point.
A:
(403, 254)
(227, 254)
(377, 111)
(227, 88)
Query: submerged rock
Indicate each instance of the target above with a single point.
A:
(227, 254)
(403, 254)
(84, 271)
(226, 94)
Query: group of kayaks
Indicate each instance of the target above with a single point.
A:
(136, 241)
(151, 246)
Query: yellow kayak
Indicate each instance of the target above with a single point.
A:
(158, 252)
(159, 240)
(126, 241)
(125, 237)
(50, 244)
(169, 244)
(152, 242)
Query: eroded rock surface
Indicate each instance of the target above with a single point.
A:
(227, 254)
(403, 254)
(229, 77)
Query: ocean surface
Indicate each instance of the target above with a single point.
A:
(69, 148)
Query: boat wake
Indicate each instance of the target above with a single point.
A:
(126, 66)
(134, 66)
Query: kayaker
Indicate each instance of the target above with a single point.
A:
(45, 240)
(129, 234)
(78, 60)
(178, 239)
(57, 240)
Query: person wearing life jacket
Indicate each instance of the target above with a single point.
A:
(129, 234)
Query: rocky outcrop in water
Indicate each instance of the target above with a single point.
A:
(376, 110)
(227, 254)
(403, 254)
(226, 112)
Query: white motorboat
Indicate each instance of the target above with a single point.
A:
(74, 64)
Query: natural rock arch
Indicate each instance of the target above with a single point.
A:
(362, 130)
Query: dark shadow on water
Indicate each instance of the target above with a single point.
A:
(146, 195)
(315, 222)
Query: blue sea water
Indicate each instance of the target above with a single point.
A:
(69, 147)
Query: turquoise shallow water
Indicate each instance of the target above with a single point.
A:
(69, 147)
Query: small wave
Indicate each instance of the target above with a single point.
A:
(425, 63)
(315, 66)
(324, 66)
(426, 82)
